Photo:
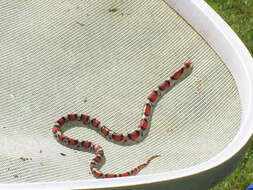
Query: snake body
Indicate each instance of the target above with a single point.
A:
(130, 138)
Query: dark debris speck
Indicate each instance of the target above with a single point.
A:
(79, 23)
(113, 10)
(25, 159)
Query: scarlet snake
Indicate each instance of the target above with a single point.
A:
(130, 138)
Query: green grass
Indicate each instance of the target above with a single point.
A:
(239, 15)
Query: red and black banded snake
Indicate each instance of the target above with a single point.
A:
(129, 138)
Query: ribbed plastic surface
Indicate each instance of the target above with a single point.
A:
(102, 58)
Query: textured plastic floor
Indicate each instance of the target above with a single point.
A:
(102, 58)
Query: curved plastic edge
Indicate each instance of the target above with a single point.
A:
(237, 58)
